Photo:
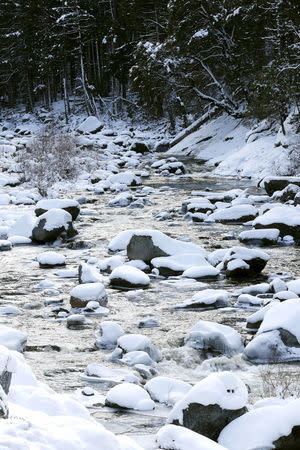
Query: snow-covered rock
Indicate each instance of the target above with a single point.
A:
(285, 218)
(259, 237)
(278, 337)
(237, 213)
(5, 245)
(12, 339)
(274, 426)
(69, 205)
(50, 259)
(128, 277)
(172, 437)
(211, 404)
(206, 299)
(214, 338)
(90, 125)
(95, 372)
(108, 335)
(137, 342)
(179, 263)
(148, 244)
(167, 390)
(84, 293)
(241, 261)
(88, 274)
(277, 183)
(53, 224)
(129, 396)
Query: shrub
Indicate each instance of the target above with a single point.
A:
(51, 157)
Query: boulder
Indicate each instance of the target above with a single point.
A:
(108, 335)
(211, 404)
(287, 194)
(128, 277)
(205, 300)
(90, 125)
(84, 293)
(241, 262)
(260, 237)
(237, 213)
(278, 337)
(51, 259)
(139, 147)
(129, 396)
(214, 339)
(69, 205)
(273, 184)
(53, 224)
(285, 218)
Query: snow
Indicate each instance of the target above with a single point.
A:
(132, 342)
(260, 427)
(51, 259)
(131, 396)
(12, 339)
(294, 286)
(224, 389)
(167, 244)
(127, 178)
(130, 274)
(214, 336)
(172, 437)
(167, 390)
(23, 226)
(89, 274)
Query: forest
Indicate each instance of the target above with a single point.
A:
(174, 59)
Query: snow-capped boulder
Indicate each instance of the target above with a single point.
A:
(273, 184)
(128, 277)
(137, 342)
(200, 272)
(51, 259)
(172, 437)
(129, 396)
(5, 245)
(75, 321)
(167, 390)
(69, 205)
(285, 218)
(259, 237)
(98, 373)
(274, 426)
(255, 320)
(197, 205)
(206, 299)
(148, 244)
(127, 178)
(121, 200)
(52, 224)
(108, 335)
(12, 339)
(88, 274)
(241, 262)
(248, 301)
(278, 337)
(255, 289)
(214, 339)
(137, 358)
(179, 263)
(84, 293)
(139, 147)
(287, 194)
(211, 404)
(90, 125)
(237, 213)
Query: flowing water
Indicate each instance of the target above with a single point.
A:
(59, 355)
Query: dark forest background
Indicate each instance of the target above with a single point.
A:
(174, 58)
